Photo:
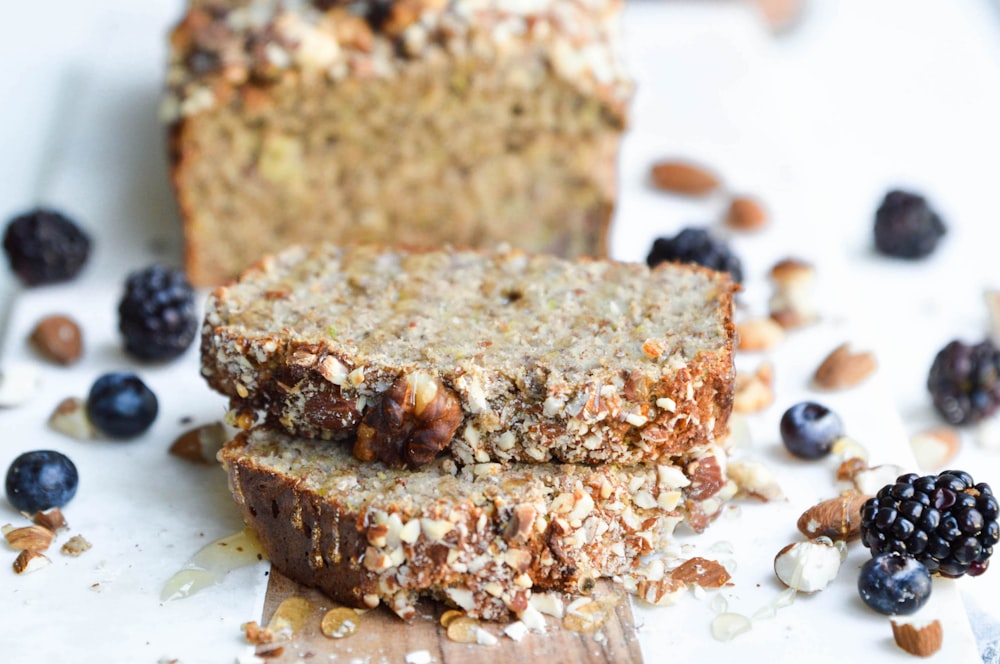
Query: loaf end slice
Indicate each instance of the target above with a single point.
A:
(481, 538)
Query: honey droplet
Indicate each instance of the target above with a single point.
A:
(340, 622)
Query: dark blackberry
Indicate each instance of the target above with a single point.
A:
(906, 226)
(696, 245)
(157, 314)
(964, 381)
(45, 247)
(945, 521)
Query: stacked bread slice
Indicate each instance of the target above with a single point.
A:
(470, 425)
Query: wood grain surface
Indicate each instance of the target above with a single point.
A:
(382, 637)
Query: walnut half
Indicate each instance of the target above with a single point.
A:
(415, 419)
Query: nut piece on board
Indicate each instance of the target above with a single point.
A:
(808, 567)
(30, 561)
(754, 392)
(58, 338)
(842, 369)
(837, 518)
(29, 538)
(746, 213)
(201, 444)
(70, 418)
(934, 448)
(920, 638)
(793, 304)
(758, 334)
(415, 419)
(682, 177)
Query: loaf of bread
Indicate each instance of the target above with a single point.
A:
(416, 121)
(480, 537)
(496, 356)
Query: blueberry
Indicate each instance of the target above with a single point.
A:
(121, 406)
(809, 430)
(894, 584)
(41, 479)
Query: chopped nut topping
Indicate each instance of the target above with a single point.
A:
(415, 419)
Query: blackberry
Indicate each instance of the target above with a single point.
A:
(156, 315)
(906, 226)
(945, 521)
(45, 247)
(964, 381)
(696, 245)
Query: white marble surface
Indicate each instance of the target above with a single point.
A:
(860, 97)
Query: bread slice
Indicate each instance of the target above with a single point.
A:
(482, 538)
(500, 356)
(417, 121)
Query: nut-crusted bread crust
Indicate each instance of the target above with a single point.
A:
(481, 537)
(501, 356)
(417, 121)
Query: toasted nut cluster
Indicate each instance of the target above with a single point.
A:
(415, 419)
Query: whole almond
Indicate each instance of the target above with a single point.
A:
(684, 178)
(920, 639)
(837, 518)
(746, 214)
(842, 369)
(58, 339)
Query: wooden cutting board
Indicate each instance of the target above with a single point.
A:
(382, 637)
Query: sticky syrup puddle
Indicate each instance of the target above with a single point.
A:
(210, 565)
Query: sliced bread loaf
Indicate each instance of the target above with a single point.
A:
(480, 537)
(500, 356)
(417, 121)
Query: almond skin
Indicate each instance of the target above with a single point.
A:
(916, 639)
(684, 178)
(746, 214)
(837, 518)
(842, 369)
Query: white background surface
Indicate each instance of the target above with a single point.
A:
(858, 98)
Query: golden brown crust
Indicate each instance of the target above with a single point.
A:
(575, 384)
(472, 140)
(481, 538)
